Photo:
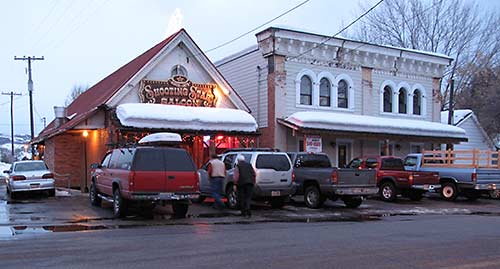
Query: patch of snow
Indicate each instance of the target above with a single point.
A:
(458, 115)
(62, 193)
(171, 117)
(371, 124)
(3, 167)
(161, 137)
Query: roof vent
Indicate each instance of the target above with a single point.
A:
(60, 113)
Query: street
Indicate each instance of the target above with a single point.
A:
(66, 232)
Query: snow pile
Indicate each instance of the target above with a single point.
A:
(3, 167)
(383, 125)
(458, 115)
(171, 117)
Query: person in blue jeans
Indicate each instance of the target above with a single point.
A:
(217, 173)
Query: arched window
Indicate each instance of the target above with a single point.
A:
(305, 91)
(324, 92)
(343, 94)
(179, 70)
(402, 101)
(387, 99)
(417, 102)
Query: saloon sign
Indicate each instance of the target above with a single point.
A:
(178, 90)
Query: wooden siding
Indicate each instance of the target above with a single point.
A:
(242, 74)
(477, 140)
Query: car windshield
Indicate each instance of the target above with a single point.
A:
(30, 166)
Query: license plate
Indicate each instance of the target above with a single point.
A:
(166, 195)
(426, 187)
(275, 193)
(35, 186)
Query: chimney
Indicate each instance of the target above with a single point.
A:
(60, 113)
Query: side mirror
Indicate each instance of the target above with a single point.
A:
(95, 166)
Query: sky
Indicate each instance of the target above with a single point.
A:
(83, 41)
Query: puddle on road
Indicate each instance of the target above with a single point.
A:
(7, 232)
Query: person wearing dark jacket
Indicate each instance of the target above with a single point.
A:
(244, 176)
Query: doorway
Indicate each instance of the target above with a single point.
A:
(343, 153)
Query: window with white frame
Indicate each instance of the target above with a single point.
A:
(417, 102)
(324, 92)
(179, 70)
(305, 90)
(343, 94)
(402, 101)
(387, 99)
(416, 147)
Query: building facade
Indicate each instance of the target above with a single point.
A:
(173, 87)
(310, 92)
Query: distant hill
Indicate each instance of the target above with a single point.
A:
(5, 147)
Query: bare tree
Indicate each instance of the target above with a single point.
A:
(453, 27)
(75, 92)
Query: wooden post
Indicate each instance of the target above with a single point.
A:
(474, 158)
(448, 157)
(498, 159)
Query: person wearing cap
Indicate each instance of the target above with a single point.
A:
(216, 171)
(244, 177)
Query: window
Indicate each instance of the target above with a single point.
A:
(30, 166)
(324, 92)
(149, 159)
(178, 160)
(273, 161)
(105, 161)
(342, 94)
(416, 148)
(417, 97)
(392, 164)
(179, 70)
(387, 99)
(371, 163)
(355, 163)
(402, 101)
(125, 159)
(228, 161)
(411, 161)
(305, 91)
(313, 161)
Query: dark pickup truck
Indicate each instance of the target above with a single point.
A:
(317, 180)
(392, 179)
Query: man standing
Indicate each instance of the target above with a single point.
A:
(244, 176)
(217, 173)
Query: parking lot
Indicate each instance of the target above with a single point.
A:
(71, 211)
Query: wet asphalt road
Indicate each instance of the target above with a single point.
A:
(65, 232)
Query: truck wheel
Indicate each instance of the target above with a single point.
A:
(119, 205)
(415, 195)
(449, 191)
(13, 195)
(313, 198)
(95, 200)
(180, 209)
(232, 197)
(277, 202)
(387, 192)
(472, 195)
(352, 201)
(495, 194)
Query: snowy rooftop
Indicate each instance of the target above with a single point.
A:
(360, 123)
(458, 115)
(157, 116)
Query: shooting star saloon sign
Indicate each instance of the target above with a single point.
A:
(178, 90)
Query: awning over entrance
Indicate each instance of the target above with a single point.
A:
(373, 126)
(172, 117)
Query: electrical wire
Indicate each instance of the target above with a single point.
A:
(339, 32)
(253, 29)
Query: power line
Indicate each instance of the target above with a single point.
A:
(250, 31)
(342, 30)
(42, 22)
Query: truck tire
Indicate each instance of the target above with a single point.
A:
(495, 194)
(94, 198)
(180, 209)
(13, 195)
(313, 197)
(472, 195)
(277, 202)
(119, 204)
(449, 191)
(415, 195)
(232, 197)
(352, 201)
(387, 192)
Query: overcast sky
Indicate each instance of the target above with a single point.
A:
(83, 41)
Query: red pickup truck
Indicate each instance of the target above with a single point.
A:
(393, 179)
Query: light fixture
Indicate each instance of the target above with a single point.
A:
(85, 133)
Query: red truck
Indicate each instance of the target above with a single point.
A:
(393, 179)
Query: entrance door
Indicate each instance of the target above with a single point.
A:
(343, 154)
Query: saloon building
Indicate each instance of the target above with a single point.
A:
(310, 92)
(171, 87)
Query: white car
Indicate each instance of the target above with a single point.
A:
(27, 176)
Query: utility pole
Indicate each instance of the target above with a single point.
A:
(451, 107)
(11, 118)
(30, 91)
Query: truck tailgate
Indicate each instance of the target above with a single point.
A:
(356, 177)
(488, 176)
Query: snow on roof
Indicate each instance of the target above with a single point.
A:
(458, 115)
(158, 116)
(161, 137)
(371, 124)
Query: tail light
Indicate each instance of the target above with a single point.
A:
(410, 179)
(15, 178)
(335, 177)
(293, 176)
(131, 177)
(49, 175)
(473, 177)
